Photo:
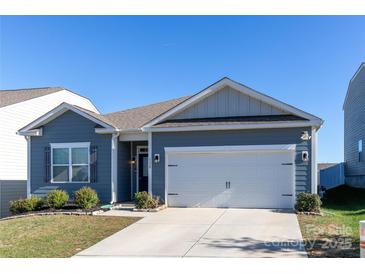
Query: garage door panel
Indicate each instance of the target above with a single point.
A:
(256, 179)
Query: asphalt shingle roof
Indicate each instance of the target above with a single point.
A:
(98, 116)
(10, 97)
(137, 117)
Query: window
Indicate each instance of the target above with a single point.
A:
(70, 162)
(360, 145)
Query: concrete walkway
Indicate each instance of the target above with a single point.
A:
(208, 232)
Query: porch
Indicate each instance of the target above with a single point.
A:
(133, 168)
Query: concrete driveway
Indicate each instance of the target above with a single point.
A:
(208, 232)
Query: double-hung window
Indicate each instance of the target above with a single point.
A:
(70, 162)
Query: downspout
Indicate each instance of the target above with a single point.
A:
(114, 168)
(150, 163)
(314, 183)
(28, 138)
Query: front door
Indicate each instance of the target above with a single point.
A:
(143, 172)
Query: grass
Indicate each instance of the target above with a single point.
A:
(56, 236)
(336, 233)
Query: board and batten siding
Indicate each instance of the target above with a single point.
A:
(354, 130)
(13, 148)
(160, 140)
(68, 128)
(9, 191)
(227, 102)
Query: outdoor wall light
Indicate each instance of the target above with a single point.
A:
(133, 161)
(156, 158)
(305, 156)
(305, 135)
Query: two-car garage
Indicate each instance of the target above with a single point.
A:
(259, 176)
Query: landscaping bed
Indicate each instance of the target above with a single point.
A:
(57, 235)
(336, 233)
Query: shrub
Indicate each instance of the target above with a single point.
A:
(86, 198)
(26, 205)
(20, 206)
(57, 198)
(308, 202)
(146, 201)
(36, 202)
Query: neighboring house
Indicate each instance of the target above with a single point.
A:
(226, 146)
(330, 175)
(18, 108)
(354, 129)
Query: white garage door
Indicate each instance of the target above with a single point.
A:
(245, 176)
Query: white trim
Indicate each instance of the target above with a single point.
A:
(166, 175)
(229, 149)
(137, 164)
(131, 168)
(32, 132)
(63, 145)
(150, 163)
(314, 161)
(245, 90)
(106, 130)
(114, 168)
(351, 80)
(28, 138)
(54, 113)
(136, 136)
(294, 197)
(233, 127)
(69, 146)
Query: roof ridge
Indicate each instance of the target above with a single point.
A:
(143, 106)
(18, 89)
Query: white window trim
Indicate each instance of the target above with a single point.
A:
(69, 146)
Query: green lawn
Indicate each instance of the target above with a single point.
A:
(56, 236)
(336, 234)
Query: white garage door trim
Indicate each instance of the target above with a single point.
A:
(227, 149)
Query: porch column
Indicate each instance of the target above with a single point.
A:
(150, 163)
(114, 168)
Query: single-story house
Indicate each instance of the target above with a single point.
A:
(225, 146)
(19, 107)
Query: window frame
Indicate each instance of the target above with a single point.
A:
(70, 146)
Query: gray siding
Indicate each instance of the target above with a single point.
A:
(225, 103)
(11, 190)
(232, 137)
(354, 130)
(71, 127)
(124, 169)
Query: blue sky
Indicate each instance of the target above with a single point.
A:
(122, 62)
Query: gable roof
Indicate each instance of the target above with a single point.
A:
(135, 118)
(157, 115)
(361, 67)
(239, 87)
(10, 97)
(61, 109)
